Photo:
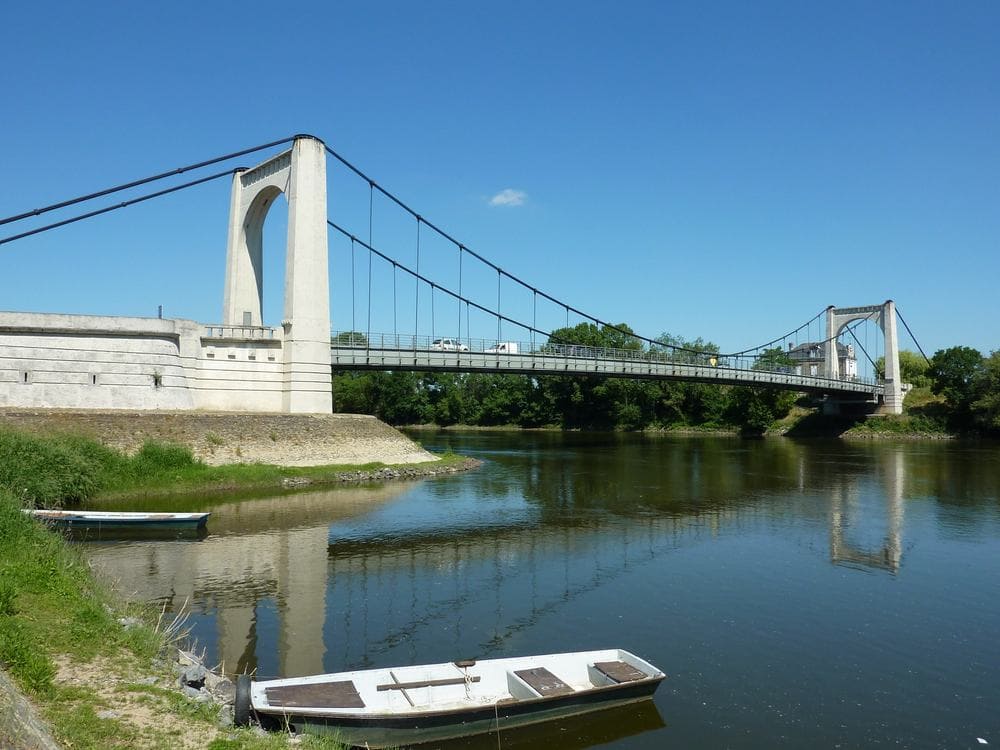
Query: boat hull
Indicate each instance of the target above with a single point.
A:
(109, 521)
(387, 730)
(412, 705)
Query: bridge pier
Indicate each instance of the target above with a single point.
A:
(299, 173)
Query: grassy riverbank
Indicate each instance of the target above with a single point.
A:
(63, 469)
(99, 670)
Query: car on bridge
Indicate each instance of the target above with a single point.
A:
(448, 345)
(503, 347)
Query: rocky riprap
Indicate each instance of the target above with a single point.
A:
(201, 684)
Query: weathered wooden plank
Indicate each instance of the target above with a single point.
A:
(426, 683)
(340, 694)
(544, 682)
(619, 671)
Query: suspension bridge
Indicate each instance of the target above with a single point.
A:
(496, 322)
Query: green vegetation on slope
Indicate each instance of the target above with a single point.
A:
(48, 471)
(51, 607)
(54, 614)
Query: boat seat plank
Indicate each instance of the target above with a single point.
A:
(619, 671)
(544, 682)
(341, 694)
(426, 683)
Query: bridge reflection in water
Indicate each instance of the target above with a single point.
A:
(358, 577)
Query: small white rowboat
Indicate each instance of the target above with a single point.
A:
(97, 519)
(403, 706)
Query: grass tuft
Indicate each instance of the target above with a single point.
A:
(21, 656)
(50, 470)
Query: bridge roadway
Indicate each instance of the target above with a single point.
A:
(563, 360)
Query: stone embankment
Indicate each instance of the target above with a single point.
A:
(203, 685)
(223, 438)
(20, 726)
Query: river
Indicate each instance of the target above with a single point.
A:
(797, 594)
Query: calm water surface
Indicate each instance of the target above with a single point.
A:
(797, 594)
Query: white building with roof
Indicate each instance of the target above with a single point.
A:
(810, 359)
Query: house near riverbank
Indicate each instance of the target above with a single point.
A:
(810, 359)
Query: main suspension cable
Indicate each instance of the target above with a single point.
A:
(901, 320)
(788, 335)
(144, 181)
(569, 308)
(115, 207)
(878, 372)
(469, 303)
(434, 285)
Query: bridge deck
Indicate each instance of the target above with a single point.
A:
(346, 358)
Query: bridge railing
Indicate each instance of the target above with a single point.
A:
(243, 333)
(400, 342)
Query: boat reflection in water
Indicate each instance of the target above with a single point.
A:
(576, 733)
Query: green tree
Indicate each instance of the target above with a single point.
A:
(634, 402)
(682, 403)
(353, 393)
(955, 373)
(695, 351)
(399, 398)
(754, 410)
(774, 359)
(986, 407)
(592, 402)
(588, 334)
(912, 368)
(538, 410)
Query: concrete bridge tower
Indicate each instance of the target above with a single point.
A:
(299, 173)
(839, 317)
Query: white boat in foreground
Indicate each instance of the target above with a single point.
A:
(98, 519)
(403, 706)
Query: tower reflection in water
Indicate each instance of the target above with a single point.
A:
(383, 575)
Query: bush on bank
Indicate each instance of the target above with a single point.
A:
(49, 471)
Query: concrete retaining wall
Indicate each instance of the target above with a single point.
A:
(103, 362)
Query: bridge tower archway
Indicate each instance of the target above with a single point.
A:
(837, 318)
(299, 173)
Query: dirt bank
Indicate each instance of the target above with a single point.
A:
(224, 438)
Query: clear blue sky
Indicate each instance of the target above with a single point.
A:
(723, 170)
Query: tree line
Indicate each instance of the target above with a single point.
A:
(958, 389)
